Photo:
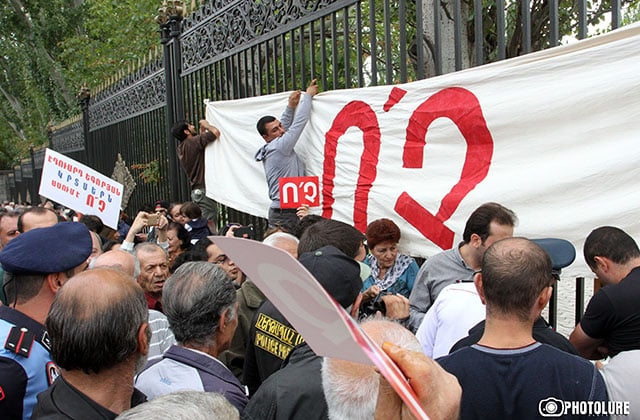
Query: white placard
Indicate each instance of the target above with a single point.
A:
(80, 188)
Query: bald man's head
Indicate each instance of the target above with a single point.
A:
(514, 273)
(95, 322)
(36, 217)
(118, 260)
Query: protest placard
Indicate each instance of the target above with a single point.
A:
(80, 188)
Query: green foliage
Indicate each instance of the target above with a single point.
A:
(149, 172)
(50, 48)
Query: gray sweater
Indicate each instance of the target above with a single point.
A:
(278, 156)
(436, 273)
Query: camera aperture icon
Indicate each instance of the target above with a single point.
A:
(551, 407)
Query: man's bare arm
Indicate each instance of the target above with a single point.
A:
(588, 347)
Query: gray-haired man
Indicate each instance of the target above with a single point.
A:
(200, 303)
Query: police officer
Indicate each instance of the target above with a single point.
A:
(37, 263)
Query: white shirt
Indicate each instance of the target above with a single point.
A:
(457, 309)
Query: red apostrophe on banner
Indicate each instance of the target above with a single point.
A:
(354, 114)
(462, 107)
(394, 97)
(298, 190)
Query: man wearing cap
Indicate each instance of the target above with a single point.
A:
(32, 279)
(297, 387)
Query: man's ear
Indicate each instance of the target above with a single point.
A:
(143, 338)
(475, 241)
(602, 263)
(222, 325)
(477, 280)
(55, 281)
(544, 297)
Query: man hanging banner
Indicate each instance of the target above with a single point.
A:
(80, 188)
(551, 135)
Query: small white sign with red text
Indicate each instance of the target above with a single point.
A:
(323, 323)
(298, 190)
(80, 188)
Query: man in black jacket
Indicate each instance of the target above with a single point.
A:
(98, 325)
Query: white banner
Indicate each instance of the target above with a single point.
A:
(80, 188)
(551, 135)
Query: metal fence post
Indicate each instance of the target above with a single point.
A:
(169, 20)
(83, 99)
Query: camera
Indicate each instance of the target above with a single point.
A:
(153, 220)
(244, 232)
(376, 305)
(551, 407)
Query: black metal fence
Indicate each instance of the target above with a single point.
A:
(229, 49)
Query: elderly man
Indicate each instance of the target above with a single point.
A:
(32, 279)
(611, 322)
(36, 217)
(278, 155)
(487, 224)
(99, 338)
(154, 270)
(161, 336)
(508, 374)
(201, 306)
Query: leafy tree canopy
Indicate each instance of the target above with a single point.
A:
(50, 48)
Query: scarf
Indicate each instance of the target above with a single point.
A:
(393, 274)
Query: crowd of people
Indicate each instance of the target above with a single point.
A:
(93, 330)
(154, 320)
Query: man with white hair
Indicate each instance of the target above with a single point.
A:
(192, 405)
(249, 300)
(350, 388)
(161, 336)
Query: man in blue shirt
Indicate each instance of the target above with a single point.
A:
(508, 374)
(34, 272)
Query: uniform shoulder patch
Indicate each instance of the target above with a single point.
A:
(19, 341)
(52, 372)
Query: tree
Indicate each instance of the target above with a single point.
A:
(50, 48)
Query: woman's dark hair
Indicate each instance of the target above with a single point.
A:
(181, 233)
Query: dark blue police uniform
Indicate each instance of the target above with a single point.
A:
(26, 368)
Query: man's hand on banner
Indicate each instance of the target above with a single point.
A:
(294, 98)
(313, 88)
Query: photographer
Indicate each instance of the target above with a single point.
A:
(145, 220)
